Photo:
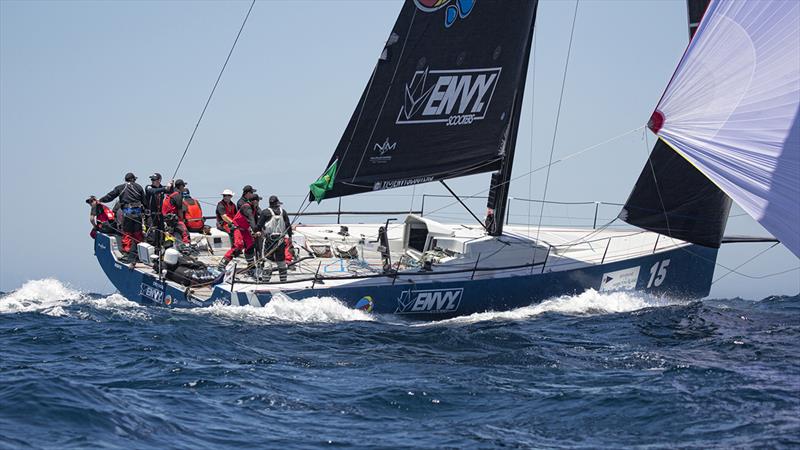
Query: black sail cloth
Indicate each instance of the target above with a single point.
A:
(440, 98)
(673, 198)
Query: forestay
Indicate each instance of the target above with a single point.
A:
(439, 101)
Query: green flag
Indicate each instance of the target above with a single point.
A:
(324, 183)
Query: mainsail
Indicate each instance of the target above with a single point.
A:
(731, 110)
(440, 99)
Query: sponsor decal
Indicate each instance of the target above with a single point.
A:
(382, 151)
(168, 300)
(390, 184)
(118, 265)
(101, 245)
(365, 304)
(620, 280)
(451, 97)
(196, 302)
(151, 292)
(429, 300)
(453, 9)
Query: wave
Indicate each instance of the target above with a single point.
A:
(51, 297)
(284, 309)
(588, 303)
(47, 296)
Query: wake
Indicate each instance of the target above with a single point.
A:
(588, 303)
(52, 297)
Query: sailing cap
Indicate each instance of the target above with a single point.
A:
(130, 176)
(256, 197)
(180, 183)
(248, 188)
(273, 201)
(227, 192)
(155, 176)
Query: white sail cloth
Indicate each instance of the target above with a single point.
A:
(731, 109)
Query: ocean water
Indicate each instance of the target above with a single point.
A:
(82, 370)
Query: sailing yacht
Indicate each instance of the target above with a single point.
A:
(444, 101)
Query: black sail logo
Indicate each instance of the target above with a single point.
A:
(452, 97)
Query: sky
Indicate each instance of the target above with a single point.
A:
(90, 90)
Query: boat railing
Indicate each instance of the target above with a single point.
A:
(511, 200)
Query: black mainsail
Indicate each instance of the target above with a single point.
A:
(671, 196)
(441, 100)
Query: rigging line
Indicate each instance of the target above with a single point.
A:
(462, 204)
(752, 258)
(570, 156)
(213, 89)
(555, 128)
(533, 103)
(655, 181)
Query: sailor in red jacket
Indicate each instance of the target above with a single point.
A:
(173, 204)
(226, 209)
(101, 217)
(243, 222)
(192, 213)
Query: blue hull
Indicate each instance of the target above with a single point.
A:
(683, 272)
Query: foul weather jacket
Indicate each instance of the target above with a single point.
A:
(131, 195)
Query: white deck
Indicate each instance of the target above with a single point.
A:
(456, 249)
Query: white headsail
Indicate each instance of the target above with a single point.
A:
(732, 109)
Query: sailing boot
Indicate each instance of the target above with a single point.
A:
(282, 271)
(223, 263)
(252, 267)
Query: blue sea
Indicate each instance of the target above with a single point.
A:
(82, 370)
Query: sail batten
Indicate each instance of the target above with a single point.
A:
(440, 98)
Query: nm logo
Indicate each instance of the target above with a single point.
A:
(452, 97)
(429, 301)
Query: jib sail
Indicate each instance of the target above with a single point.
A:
(439, 101)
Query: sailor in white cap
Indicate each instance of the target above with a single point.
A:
(226, 209)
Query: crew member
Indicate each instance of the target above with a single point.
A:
(131, 202)
(193, 213)
(101, 217)
(153, 199)
(243, 222)
(173, 204)
(275, 224)
(226, 209)
(247, 193)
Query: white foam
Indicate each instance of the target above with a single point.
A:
(589, 302)
(47, 296)
(284, 309)
(50, 296)
(119, 305)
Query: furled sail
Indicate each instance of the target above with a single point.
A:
(731, 109)
(439, 101)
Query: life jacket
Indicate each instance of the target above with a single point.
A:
(240, 220)
(193, 215)
(107, 215)
(230, 211)
(167, 207)
(276, 224)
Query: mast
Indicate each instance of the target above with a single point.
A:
(500, 184)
